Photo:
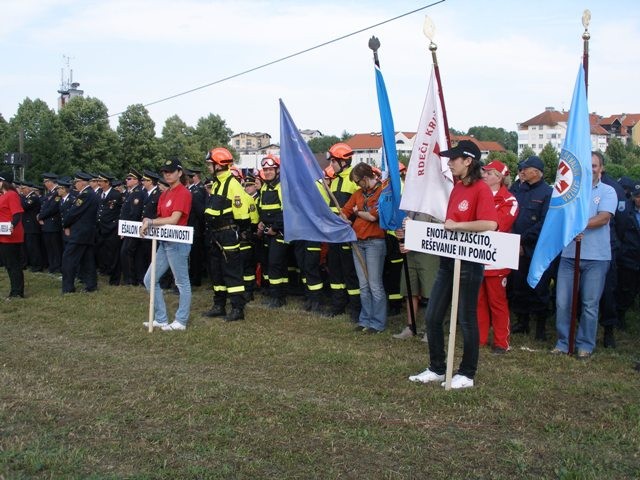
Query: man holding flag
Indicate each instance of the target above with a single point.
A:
(579, 211)
(595, 259)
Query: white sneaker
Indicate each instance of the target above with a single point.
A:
(174, 326)
(155, 324)
(426, 377)
(460, 381)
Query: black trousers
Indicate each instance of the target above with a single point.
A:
(225, 265)
(78, 260)
(33, 250)
(343, 280)
(197, 260)
(108, 255)
(10, 255)
(53, 247)
(308, 258)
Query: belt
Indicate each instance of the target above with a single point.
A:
(227, 227)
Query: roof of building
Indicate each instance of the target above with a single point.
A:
(625, 119)
(251, 134)
(365, 141)
(598, 130)
(548, 117)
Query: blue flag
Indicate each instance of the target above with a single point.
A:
(389, 203)
(569, 207)
(306, 213)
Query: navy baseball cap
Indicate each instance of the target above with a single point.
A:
(534, 162)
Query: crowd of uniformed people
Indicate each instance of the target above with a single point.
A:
(69, 227)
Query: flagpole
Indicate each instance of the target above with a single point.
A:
(374, 44)
(429, 31)
(586, 17)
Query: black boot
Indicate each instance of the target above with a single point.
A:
(216, 311)
(234, 315)
(354, 308)
(541, 322)
(609, 340)
(277, 302)
(522, 324)
(307, 307)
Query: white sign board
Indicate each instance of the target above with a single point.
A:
(5, 228)
(167, 233)
(489, 248)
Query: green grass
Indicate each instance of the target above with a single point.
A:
(87, 392)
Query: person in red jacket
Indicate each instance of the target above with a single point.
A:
(493, 308)
(12, 238)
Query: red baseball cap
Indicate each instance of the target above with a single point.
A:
(498, 166)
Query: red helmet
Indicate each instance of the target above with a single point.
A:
(270, 161)
(340, 151)
(220, 156)
(236, 172)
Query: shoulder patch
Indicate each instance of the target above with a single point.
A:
(57, 199)
(78, 202)
(252, 208)
(237, 201)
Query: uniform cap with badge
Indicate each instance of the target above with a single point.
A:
(171, 165)
(149, 175)
(83, 176)
(133, 173)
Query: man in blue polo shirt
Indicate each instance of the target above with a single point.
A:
(595, 258)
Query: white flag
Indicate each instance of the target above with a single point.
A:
(429, 181)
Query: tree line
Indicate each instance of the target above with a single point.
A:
(79, 137)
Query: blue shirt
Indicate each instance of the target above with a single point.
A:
(596, 241)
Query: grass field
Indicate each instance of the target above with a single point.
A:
(87, 392)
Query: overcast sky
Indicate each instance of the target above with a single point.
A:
(501, 62)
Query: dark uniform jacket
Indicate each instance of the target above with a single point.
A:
(629, 253)
(533, 201)
(80, 219)
(31, 207)
(65, 205)
(133, 204)
(150, 203)
(198, 200)
(109, 212)
(50, 212)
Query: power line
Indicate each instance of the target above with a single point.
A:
(282, 59)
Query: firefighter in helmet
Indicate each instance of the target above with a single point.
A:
(226, 216)
(343, 279)
(271, 228)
